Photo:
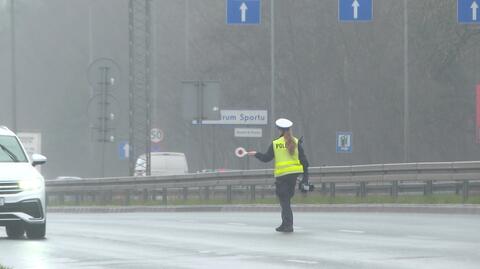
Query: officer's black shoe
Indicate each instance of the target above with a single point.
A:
(285, 229)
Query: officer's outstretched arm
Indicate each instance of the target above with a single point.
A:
(265, 157)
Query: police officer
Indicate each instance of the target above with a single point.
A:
(290, 162)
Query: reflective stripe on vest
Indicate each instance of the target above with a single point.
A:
(284, 162)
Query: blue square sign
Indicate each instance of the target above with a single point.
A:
(344, 142)
(123, 150)
(355, 10)
(468, 11)
(243, 11)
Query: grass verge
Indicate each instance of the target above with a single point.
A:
(298, 199)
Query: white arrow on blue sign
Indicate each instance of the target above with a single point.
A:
(355, 10)
(468, 11)
(243, 11)
(123, 150)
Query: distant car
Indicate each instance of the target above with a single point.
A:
(67, 178)
(163, 164)
(218, 170)
(22, 189)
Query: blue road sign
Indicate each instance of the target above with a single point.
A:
(123, 150)
(468, 11)
(344, 142)
(355, 10)
(243, 11)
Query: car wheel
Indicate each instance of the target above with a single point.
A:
(15, 230)
(36, 231)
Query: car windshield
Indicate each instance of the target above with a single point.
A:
(10, 150)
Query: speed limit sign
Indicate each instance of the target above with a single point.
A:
(156, 135)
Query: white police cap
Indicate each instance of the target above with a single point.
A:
(283, 123)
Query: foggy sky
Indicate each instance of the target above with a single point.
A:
(330, 76)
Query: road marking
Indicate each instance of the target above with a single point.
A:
(237, 223)
(414, 257)
(188, 221)
(421, 237)
(352, 231)
(304, 262)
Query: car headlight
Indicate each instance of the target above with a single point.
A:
(30, 184)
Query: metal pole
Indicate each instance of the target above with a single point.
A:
(104, 118)
(213, 148)
(201, 97)
(272, 68)
(153, 69)
(406, 112)
(148, 86)
(140, 82)
(131, 85)
(90, 37)
(13, 66)
(186, 35)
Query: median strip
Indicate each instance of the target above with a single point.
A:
(386, 208)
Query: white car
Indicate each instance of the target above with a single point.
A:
(22, 189)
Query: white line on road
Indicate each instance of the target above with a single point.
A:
(421, 237)
(188, 221)
(352, 231)
(304, 262)
(237, 223)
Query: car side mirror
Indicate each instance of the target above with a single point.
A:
(38, 159)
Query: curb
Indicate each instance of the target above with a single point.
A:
(370, 208)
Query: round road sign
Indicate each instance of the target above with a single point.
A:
(156, 135)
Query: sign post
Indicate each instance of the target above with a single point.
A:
(478, 115)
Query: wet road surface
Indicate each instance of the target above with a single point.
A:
(248, 240)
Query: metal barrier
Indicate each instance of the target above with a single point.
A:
(458, 177)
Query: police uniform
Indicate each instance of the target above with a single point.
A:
(287, 168)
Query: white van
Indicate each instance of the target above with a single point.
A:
(163, 164)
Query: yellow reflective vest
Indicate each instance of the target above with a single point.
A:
(284, 162)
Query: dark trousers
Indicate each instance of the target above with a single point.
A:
(285, 189)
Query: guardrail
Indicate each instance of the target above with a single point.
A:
(458, 177)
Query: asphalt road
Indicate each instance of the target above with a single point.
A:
(248, 240)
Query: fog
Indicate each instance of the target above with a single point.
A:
(404, 100)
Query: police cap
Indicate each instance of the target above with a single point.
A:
(283, 123)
